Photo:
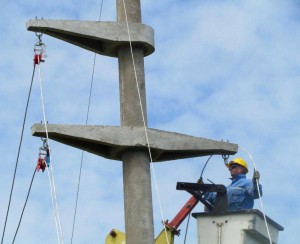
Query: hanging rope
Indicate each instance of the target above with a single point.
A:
(24, 206)
(18, 155)
(86, 122)
(51, 176)
(144, 122)
(260, 199)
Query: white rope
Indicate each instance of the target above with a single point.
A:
(145, 127)
(51, 176)
(54, 191)
(260, 199)
(54, 211)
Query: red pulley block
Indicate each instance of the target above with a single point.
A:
(41, 164)
(37, 58)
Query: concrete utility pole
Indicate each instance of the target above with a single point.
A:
(136, 168)
(126, 143)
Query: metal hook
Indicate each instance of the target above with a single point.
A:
(45, 143)
(39, 36)
(225, 157)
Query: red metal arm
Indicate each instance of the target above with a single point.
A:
(182, 214)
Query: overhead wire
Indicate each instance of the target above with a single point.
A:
(187, 226)
(86, 122)
(205, 166)
(189, 216)
(24, 206)
(144, 122)
(18, 154)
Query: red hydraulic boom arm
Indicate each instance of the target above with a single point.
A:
(182, 214)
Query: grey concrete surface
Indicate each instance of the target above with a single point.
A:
(104, 38)
(139, 226)
(112, 141)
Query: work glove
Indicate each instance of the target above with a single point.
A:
(200, 181)
(256, 175)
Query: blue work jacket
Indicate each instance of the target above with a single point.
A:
(240, 193)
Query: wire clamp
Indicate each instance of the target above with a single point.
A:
(225, 157)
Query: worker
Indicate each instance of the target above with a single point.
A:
(242, 191)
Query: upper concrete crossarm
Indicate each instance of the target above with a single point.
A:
(101, 37)
(111, 142)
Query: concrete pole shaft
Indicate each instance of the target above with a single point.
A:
(130, 103)
(138, 198)
(133, 10)
(136, 168)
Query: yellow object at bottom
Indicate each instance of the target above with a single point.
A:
(115, 237)
(118, 237)
(165, 237)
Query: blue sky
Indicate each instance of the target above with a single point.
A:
(221, 70)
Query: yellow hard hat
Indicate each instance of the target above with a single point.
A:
(239, 161)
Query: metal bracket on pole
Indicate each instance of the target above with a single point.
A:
(112, 141)
(104, 38)
(197, 191)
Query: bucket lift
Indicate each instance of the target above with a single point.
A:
(216, 225)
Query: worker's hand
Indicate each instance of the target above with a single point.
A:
(200, 181)
(256, 175)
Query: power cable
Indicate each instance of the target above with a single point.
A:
(205, 166)
(187, 224)
(86, 122)
(82, 153)
(18, 155)
(24, 206)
